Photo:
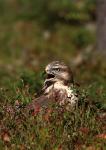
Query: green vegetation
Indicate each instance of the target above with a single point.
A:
(53, 128)
(33, 33)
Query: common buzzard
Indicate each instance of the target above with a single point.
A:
(58, 87)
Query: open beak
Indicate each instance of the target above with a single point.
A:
(47, 75)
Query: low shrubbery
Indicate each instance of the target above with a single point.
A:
(53, 128)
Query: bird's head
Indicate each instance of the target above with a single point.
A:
(57, 71)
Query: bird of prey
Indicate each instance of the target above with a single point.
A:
(58, 87)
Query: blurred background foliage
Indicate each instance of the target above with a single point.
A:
(46, 29)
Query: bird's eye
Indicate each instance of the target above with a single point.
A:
(57, 69)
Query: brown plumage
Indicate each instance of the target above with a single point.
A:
(58, 87)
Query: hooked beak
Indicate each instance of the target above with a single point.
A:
(47, 75)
